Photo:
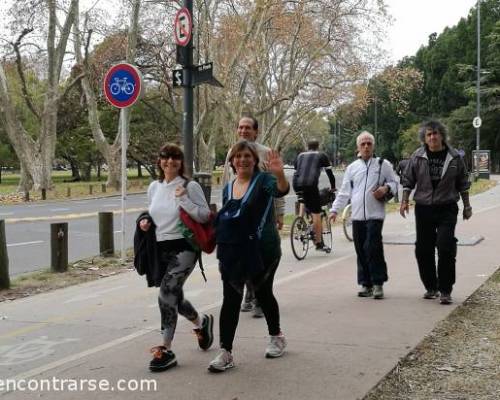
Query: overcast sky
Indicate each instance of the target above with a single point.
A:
(415, 20)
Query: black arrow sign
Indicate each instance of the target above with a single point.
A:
(177, 78)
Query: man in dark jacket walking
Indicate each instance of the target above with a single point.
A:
(440, 177)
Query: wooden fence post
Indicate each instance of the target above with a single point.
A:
(106, 234)
(4, 258)
(59, 247)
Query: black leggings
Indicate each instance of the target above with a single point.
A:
(230, 311)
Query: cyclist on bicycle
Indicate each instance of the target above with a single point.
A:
(308, 165)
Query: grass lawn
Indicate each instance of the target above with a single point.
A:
(64, 190)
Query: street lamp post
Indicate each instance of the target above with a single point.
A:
(478, 83)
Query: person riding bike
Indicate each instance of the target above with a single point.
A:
(308, 165)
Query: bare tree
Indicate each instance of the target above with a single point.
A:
(110, 152)
(281, 61)
(36, 150)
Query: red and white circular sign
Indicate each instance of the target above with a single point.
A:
(183, 27)
(122, 85)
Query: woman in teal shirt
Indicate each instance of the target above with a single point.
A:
(248, 246)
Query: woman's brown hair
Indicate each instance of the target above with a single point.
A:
(170, 149)
(244, 145)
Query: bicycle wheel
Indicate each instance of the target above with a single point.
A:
(326, 232)
(347, 222)
(299, 238)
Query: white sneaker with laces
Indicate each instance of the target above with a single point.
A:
(223, 361)
(276, 346)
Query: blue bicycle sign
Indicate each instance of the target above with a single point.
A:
(122, 85)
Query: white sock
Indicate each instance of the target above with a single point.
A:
(201, 317)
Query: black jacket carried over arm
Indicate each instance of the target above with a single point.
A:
(146, 253)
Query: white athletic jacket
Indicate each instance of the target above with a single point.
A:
(360, 179)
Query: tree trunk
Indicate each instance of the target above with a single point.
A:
(75, 170)
(37, 152)
(25, 181)
(110, 152)
(114, 170)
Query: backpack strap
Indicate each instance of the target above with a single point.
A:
(264, 217)
(247, 194)
(199, 252)
(380, 163)
(200, 263)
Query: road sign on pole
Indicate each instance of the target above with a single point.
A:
(177, 77)
(204, 73)
(122, 88)
(183, 27)
(477, 122)
(122, 85)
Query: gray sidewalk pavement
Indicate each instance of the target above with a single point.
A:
(339, 345)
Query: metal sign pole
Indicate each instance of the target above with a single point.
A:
(187, 125)
(124, 133)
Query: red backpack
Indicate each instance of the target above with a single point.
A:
(200, 236)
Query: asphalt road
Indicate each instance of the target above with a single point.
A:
(28, 225)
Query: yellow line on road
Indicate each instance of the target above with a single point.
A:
(69, 216)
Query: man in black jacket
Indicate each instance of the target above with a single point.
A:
(440, 177)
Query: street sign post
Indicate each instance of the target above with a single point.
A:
(122, 88)
(190, 76)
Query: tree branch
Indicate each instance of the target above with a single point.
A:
(71, 85)
(24, 88)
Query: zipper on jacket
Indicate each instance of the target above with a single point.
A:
(364, 192)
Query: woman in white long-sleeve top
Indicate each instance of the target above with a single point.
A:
(176, 258)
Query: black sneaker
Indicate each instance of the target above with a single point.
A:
(163, 359)
(320, 246)
(205, 335)
(366, 292)
(445, 298)
(431, 294)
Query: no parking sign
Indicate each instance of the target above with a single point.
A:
(122, 85)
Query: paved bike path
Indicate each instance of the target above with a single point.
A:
(339, 345)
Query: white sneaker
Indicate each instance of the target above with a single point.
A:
(223, 361)
(276, 346)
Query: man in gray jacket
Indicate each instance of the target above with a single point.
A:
(440, 177)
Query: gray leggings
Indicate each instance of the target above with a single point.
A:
(171, 297)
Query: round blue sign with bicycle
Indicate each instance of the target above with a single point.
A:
(122, 85)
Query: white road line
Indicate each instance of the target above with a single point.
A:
(59, 209)
(149, 329)
(7, 213)
(94, 295)
(25, 243)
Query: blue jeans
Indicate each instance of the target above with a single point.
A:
(372, 268)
